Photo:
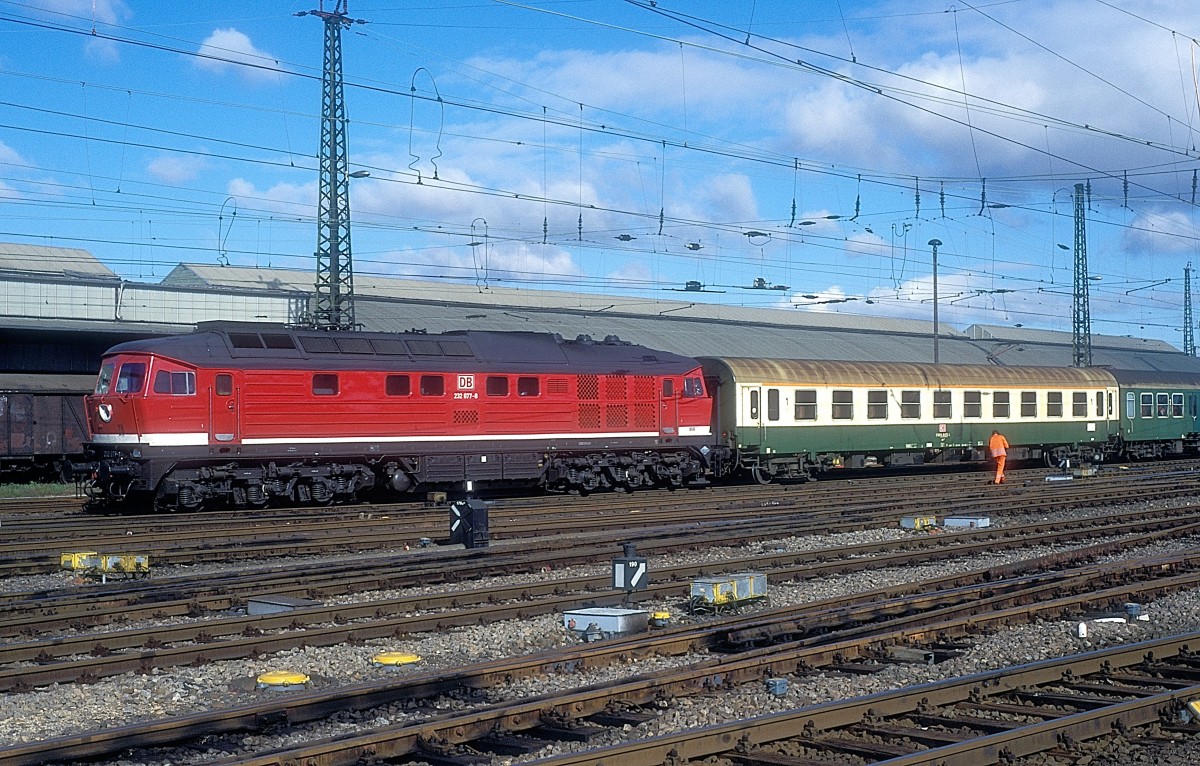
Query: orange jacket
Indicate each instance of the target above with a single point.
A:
(998, 445)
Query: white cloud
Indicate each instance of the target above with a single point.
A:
(227, 50)
(1161, 232)
(175, 169)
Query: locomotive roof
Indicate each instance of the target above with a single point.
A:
(791, 371)
(269, 346)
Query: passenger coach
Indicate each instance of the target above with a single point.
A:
(791, 419)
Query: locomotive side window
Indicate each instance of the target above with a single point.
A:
(224, 384)
(325, 384)
(1054, 404)
(1000, 404)
(910, 404)
(1029, 404)
(668, 388)
(942, 409)
(772, 404)
(131, 378)
(693, 387)
(497, 385)
(1176, 405)
(843, 404)
(397, 385)
(105, 380)
(972, 404)
(1147, 407)
(175, 383)
(1162, 400)
(433, 385)
(877, 405)
(528, 387)
(806, 404)
(1079, 404)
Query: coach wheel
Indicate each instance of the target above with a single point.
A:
(761, 476)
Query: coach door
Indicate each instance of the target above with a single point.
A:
(751, 428)
(224, 408)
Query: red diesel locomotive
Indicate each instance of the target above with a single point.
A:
(245, 415)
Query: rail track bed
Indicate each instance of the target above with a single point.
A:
(855, 609)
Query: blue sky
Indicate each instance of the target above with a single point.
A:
(630, 148)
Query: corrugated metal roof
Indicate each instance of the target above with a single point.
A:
(801, 372)
(40, 260)
(1028, 335)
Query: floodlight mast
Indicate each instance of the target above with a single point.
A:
(334, 308)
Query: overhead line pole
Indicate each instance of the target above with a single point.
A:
(334, 308)
(1081, 316)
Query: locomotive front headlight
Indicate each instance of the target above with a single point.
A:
(136, 453)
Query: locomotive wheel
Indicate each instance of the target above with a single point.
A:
(760, 476)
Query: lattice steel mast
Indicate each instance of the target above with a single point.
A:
(335, 269)
(1189, 340)
(1081, 316)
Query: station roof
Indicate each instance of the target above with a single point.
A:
(43, 261)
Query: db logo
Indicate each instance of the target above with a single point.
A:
(941, 428)
(466, 382)
(105, 412)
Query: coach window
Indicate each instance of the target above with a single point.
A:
(693, 387)
(1130, 405)
(1000, 404)
(433, 385)
(806, 404)
(497, 385)
(754, 405)
(910, 405)
(131, 378)
(772, 404)
(1147, 406)
(1079, 404)
(224, 384)
(175, 383)
(1054, 404)
(1162, 400)
(1099, 404)
(397, 385)
(1029, 404)
(1176, 405)
(942, 408)
(843, 404)
(877, 408)
(325, 384)
(528, 387)
(972, 404)
(668, 388)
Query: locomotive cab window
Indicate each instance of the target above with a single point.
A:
(972, 404)
(497, 385)
(433, 385)
(942, 407)
(324, 384)
(877, 404)
(693, 387)
(1079, 408)
(175, 383)
(224, 384)
(131, 378)
(1029, 404)
(104, 382)
(843, 404)
(528, 387)
(397, 385)
(1054, 404)
(1000, 404)
(806, 404)
(1146, 409)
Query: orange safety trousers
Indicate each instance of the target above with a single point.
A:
(1000, 461)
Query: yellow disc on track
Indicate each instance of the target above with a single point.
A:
(395, 658)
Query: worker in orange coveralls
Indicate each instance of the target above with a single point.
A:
(999, 449)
